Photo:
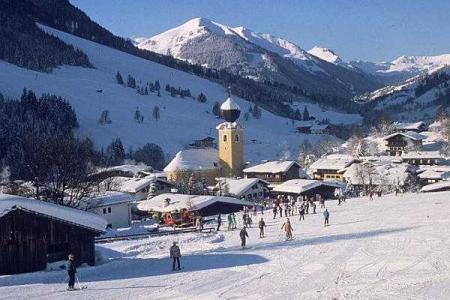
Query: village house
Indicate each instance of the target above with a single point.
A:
(319, 129)
(250, 189)
(207, 142)
(276, 171)
(399, 142)
(331, 167)
(34, 233)
(115, 207)
(311, 127)
(433, 174)
(405, 127)
(139, 187)
(308, 189)
(421, 157)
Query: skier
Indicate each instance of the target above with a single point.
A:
(254, 210)
(281, 211)
(274, 210)
(175, 254)
(314, 207)
(234, 221)
(370, 195)
(261, 226)
(302, 213)
(243, 235)
(230, 222)
(71, 271)
(326, 215)
(219, 222)
(288, 229)
(286, 209)
(245, 218)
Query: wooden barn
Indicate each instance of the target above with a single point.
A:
(34, 233)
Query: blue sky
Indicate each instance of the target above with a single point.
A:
(374, 30)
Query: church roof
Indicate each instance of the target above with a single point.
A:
(229, 104)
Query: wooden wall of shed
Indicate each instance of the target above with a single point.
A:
(25, 239)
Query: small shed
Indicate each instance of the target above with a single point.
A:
(34, 233)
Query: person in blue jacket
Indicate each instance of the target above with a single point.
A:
(326, 215)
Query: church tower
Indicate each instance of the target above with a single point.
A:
(231, 140)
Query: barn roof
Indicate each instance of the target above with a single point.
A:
(422, 155)
(108, 199)
(181, 201)
(276, 166)
(435, 187)
(61, 213)
(332, 162)
(408, 126)
(409, 134)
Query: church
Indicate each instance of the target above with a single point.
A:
(207, 164)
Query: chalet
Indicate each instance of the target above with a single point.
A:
(421, 157)
(399, 142)
(34, 233)
(311, 127)
(203, 205)
(319, 129)
(430, 176)
(250, 189)
(115, 207)
(436, 187)
(139, 187)
(331, 167)
(308, 188)
(275, 171)
(405, 127)
(203, 164)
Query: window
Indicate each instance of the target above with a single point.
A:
(249, 196)
(109, 210)
(224, 137)
(236, 138)
(104, 211)
(260, 194)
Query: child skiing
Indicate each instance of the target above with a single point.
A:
(287, 229)
(175, 254)
(326, 215)
(243, 235)
(71, 271)
(261, 226)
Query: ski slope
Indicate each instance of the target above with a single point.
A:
(182, 120)
(389, 248)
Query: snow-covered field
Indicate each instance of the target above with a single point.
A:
(182, 120)
(389, 248)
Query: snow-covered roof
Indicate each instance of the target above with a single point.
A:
(297, 186)
(62, 213)
(193, 160)
(273, 167)
(332, 162)
(182, 201)
(133, 169)
(434, 187)
(431, 174)
(229, 104)
(409, 134)
(108, 199)
(319, 127)
(421, 155)
(408, 126)
(237, 187)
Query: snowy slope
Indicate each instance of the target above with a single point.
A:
(389, 248)
(326, 54)
(182, 120)
(256, 55)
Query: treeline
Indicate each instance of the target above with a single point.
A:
(430, 82)
(38, 144)
(25, 45)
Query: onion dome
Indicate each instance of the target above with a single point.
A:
(229, 110)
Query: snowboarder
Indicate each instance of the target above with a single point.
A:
(230, 222)
(243, 235)
(71, 271)
(261, 226)
(219, 222)
(302, 213)
(175, 254)
(288, 229)
(326, 215)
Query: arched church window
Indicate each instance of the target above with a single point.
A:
(236, 138)
(224, 137)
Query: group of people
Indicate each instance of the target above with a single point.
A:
(291, 206)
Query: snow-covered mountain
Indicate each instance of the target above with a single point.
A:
(326, 54)
(256, 55)
(182, 120)
(416, 98)
(403, 67)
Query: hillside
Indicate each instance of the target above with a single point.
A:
(259, 56)
(91, 91)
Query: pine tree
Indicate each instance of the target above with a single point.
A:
(256, 112)
(306, 116)
(152, 190)
(157, 85)
(119, 78)
(131, 82)
(297, 115)
(201, 98)
(156, 114)
(138, 117)
(104, 118)
(115, 152)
